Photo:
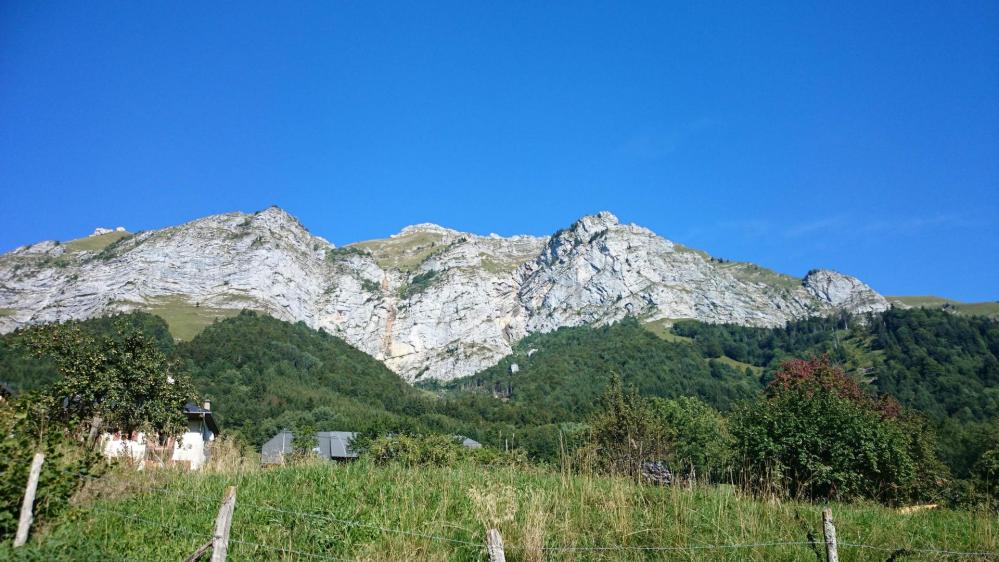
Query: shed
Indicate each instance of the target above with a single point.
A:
(330, 445)
(469, 442)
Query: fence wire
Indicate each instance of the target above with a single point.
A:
(290, 551)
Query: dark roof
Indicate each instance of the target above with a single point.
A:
(329, 445)
(194, 411)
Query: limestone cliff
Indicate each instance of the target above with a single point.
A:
(429, 301)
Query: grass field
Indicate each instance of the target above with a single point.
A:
(739, 364)
(990, 309)
(366, 512)
(184, 318)
(753, 273)
(662, 328)
(404, 252)
(95, 243)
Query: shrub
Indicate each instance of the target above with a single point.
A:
(24, 431)
(820, 436)
(434, 450)
(699, 436)
(344, 252)
(419, 283)
(986, 471)
(625, 433)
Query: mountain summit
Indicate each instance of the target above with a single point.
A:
(429, 301)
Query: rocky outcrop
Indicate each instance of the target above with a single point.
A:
(843, 292)
(429, 301)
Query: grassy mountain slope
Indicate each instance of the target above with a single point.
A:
(990, 309)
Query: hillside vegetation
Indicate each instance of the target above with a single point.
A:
(264, 375)
(95, 243)
(562, 373)
(732, 427)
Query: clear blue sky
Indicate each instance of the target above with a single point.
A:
(861, 137)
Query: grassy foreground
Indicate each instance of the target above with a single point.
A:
(361, 511)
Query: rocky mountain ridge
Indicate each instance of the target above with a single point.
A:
(430, 302)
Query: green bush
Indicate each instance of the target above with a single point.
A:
(23, 432)
(986, 470)
(434, 450)
(699, 436)
(625, 433)
(419, 283)
(819, 436)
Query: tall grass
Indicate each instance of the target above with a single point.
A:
(374, 513)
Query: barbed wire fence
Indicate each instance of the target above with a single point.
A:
(493, 547)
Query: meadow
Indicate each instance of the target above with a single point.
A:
(317, 510)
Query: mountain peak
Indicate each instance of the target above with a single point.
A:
(276, 213)
(273, 210)
(419, 301)
(844, 291)
(596, 222)
(425, 227)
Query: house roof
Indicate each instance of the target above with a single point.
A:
(329, 445)
(192, 410)
(336, 444)
(470, 443)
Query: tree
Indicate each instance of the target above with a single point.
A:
(986, 470)
(122, 381)
(303, 443)
(624, 432)
(700, 440)
(820, 435)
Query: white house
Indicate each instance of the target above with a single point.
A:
(189, 450)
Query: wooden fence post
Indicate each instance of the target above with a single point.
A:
(220, 541)
(829, 530)
(494, 544)
(199, 553)
(24, 523)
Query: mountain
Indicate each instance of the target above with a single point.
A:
(431, 302)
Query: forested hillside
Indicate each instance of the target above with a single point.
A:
(943, 364)
(940, 364)
(22, 371)
(562, 373)
(263, 374)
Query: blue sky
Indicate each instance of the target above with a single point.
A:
(862, 137)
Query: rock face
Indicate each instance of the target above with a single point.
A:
(429, 301)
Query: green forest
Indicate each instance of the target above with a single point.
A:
(262, 375)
